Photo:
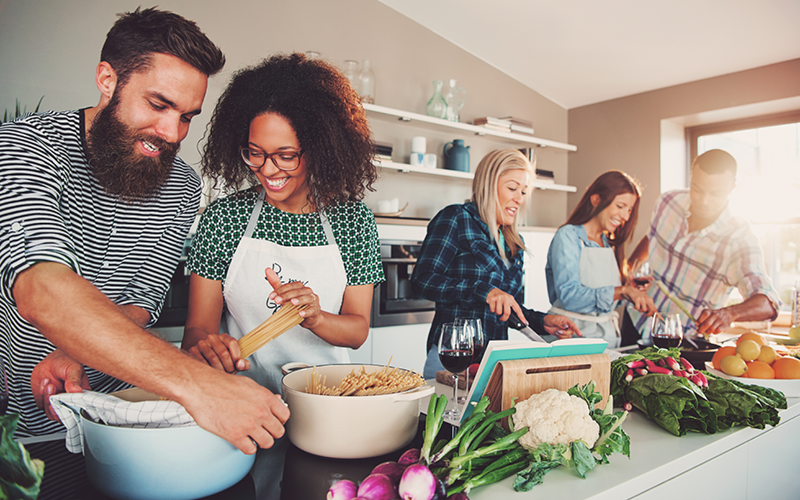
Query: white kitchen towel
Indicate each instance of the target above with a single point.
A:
(111, 410)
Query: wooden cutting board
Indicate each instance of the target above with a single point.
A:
(524, 377)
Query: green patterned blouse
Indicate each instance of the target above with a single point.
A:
(223, 223)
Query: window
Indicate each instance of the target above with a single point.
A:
(767, 152)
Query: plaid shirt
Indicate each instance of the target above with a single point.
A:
(701, 268)
(459, 265)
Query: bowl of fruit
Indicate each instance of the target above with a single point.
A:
(752, 360)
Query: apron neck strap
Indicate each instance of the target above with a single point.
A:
(251, 224)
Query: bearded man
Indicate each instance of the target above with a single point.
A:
(95, 207)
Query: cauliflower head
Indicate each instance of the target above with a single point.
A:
(554, 417)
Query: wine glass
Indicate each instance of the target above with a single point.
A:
(642, 276)
(455, 354)
(667, 332)
(478, 344)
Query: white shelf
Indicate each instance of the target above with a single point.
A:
(406, 116)
(405, 168)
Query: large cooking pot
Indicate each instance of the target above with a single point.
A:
(172, 463)
(349, 426)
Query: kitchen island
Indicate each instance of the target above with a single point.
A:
(740, 463)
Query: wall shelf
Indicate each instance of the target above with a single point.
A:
(406, 116)
(405, 168)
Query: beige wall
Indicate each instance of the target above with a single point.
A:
(51, 48)
(626, 133)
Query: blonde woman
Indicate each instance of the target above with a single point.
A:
(471, 260)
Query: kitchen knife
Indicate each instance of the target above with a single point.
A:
(517, 324)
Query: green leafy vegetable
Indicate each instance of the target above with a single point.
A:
(577, 454)
(20, 476)
(680, 406)
(736, 403)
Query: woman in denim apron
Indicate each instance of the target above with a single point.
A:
(586, 259)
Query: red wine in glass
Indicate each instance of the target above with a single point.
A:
(642, 281)
(666, 342)
(456, 360)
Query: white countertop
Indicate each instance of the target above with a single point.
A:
(656, 456)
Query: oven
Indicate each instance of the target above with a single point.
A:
(392, 301)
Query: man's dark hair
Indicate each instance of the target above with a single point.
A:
(322, 108)
(137, 35)
(715, 162)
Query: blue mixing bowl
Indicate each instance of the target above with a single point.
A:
(174, 463)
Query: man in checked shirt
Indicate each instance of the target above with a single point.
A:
(701, 251)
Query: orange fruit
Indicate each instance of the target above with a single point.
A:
(759, 369)
(758, 339)
(727, 350)
(787, 368)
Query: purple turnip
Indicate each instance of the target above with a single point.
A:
(392, 469)
(410, 456)
(378, 487)
(342, 490)
(417, 483)
(458, 496)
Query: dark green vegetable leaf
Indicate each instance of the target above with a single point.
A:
(741, 404)
(674, 403)
(534, 474)
(582, 458)
(20, 476)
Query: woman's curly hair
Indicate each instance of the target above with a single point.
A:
(322, 108)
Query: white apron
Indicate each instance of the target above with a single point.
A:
(247, 298)
(598, 268)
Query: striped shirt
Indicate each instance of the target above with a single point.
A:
(701, 268)
(52, 209)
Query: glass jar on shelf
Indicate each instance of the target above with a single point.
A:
(367, 83)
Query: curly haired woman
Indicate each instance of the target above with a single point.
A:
(294, 129)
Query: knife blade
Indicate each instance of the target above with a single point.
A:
(517, 324)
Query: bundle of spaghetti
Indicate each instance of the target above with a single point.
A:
(282, 320)
(360, 383)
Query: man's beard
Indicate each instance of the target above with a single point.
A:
(116, 163)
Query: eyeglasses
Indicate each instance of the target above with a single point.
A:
(255, 158)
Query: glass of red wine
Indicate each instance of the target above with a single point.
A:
(667, 332)
(642, 276)
(455, 354)
(478, 344)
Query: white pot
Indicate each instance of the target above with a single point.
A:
(349, 426)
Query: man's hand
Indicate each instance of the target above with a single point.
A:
(238, 410)
(560, 326)
(756, 308)
(55, 374)
(715, 320)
